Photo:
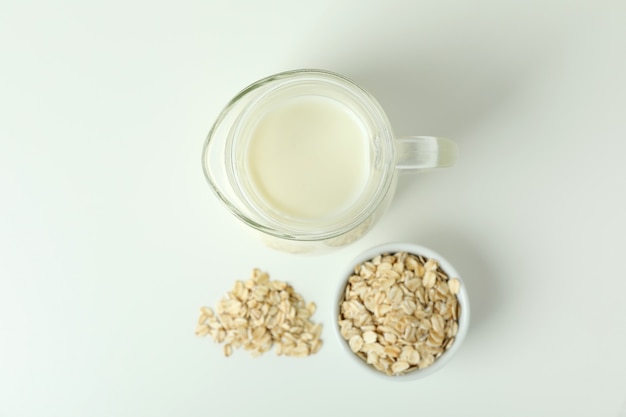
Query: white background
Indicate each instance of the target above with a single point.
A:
(110, 239)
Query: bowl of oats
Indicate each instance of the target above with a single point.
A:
(402, 311)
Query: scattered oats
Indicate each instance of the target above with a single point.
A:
(228, 350)
(219, 335)
(202, 330)
(259, 313)
(399, 312)
(316, 345)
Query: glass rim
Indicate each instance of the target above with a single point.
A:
(271, 227)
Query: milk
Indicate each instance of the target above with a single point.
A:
(308, 158)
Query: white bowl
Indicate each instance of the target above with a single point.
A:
(462, 298)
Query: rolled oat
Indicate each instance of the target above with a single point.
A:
(259, 314)
(399, 312)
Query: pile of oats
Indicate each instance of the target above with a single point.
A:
(258, 314)
(399, 312)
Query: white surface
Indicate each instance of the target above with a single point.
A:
(110, 239)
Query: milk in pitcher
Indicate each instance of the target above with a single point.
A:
(308, 158)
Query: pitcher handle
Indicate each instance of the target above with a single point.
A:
(425, 152)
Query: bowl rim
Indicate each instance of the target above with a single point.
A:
(417, 249)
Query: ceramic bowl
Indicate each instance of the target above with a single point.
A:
(462, 299)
